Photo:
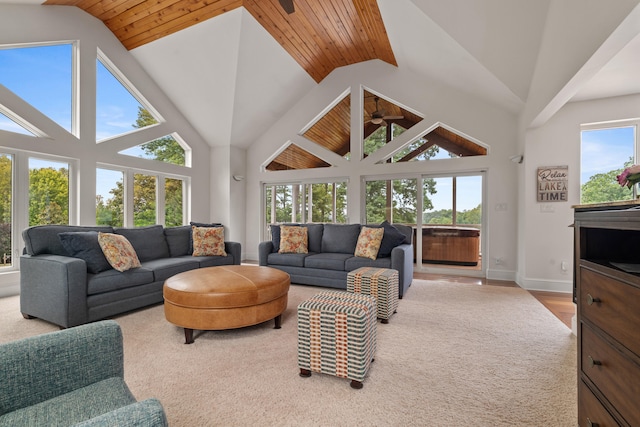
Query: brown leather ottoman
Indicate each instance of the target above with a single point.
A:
(225, 297)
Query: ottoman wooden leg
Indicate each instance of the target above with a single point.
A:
(188, 336)
(356, 384)
(278, 321)
(305, 373)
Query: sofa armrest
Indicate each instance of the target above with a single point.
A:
(39, 368)
(402, 260)
(54, 288)
(235, 249)
(148, 413)
(264, 249)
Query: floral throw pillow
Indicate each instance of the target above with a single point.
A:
(293, 240)
(208, 241)
(118, 251)
(369, 242)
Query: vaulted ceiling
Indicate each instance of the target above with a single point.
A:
(234, 67)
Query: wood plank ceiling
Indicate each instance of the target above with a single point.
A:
(321, 35)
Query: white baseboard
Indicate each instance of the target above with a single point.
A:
(565, 286)
(501, 275)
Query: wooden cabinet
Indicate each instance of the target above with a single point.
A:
(607, 291)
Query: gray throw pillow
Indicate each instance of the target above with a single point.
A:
(84, 245)
(392, 237)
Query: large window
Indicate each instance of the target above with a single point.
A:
(605, 152)
(301, 203)
(150, 203)
(48, 192)
(109, 197)
(392, 200)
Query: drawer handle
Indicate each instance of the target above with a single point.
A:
(593, 362)
(591, 300)
(591, 423)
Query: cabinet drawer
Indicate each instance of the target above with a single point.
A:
(590, 410)
(612, 306)
(615, 375)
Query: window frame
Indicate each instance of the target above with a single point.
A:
(613, 124)
(128, 178)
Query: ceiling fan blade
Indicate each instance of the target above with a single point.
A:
(393, 117)
(287, 5)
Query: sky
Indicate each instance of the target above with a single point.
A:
(604, 150)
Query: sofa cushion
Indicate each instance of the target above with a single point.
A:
(178, 240)
(112, 280)
(294, 260)
(208, 241)
(213, 261)
(293, 239)
(43, 239)
(84, 245)
(369, 242)
(392, 238)
(340, 238)
(118, 251)
(327, 261)
(149, 242)
(356, 262)
(315, 236)
(166, 267)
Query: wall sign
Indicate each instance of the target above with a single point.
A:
(552, 184)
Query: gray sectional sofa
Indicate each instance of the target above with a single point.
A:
(331, 254)
(69, 289)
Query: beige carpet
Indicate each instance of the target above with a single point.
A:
(453, 355)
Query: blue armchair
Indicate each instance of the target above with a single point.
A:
(71, 377)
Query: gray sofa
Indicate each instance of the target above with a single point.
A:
(70, 289)
(331, 254)
(71, 377)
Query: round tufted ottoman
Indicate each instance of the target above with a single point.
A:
(225, 297)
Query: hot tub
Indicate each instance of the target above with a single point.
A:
(450, 245)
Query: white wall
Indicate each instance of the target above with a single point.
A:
(548, 239)
(440, 104)
(33, 24)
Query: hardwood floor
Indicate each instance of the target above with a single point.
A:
(560, 304)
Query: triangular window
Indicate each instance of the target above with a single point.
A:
(383, 120)
(333, 130)
(119, 107)
(10, 125)
(167, 149)
(293, 158)
(43, 76)
(439, 143)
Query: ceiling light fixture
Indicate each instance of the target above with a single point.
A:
(376, 120)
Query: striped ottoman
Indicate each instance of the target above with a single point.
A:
(381, 283)
(337, 335)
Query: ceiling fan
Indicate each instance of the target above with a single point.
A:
(287, 5)
(378, 117)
